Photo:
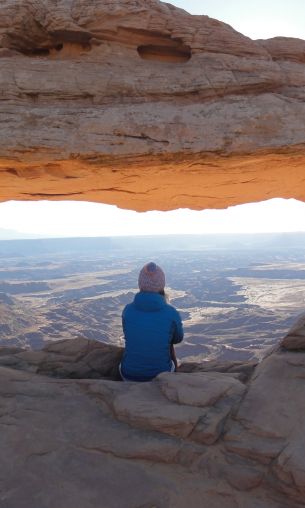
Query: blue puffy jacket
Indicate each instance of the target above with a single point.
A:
(150, 326)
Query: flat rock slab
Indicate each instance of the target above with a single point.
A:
(60, 447)
(161, 441)
(200, 389)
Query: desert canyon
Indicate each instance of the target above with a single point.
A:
(139, 104)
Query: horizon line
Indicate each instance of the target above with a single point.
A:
(262, 233)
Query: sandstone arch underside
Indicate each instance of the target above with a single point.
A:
(139, 104)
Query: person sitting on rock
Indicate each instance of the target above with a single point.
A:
(151, 328)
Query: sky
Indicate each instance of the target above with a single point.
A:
(69, 218)
(256, 19)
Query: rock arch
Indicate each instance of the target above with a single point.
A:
(84, 117)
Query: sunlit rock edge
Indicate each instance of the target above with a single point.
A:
(140, 104)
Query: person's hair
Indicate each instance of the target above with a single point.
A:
(165, 295)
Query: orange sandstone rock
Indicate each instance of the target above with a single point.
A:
(140, 104)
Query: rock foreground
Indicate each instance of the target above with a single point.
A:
(228, 437)
(138, 103)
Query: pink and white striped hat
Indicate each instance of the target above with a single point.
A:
(151, 278)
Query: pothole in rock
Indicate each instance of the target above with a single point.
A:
(178, 53)
(61, 50)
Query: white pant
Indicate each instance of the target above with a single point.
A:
(173, 369)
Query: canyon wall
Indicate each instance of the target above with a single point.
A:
(140, 104)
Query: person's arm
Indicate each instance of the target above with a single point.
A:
(123, 320)
(178, 329)
(176, 337)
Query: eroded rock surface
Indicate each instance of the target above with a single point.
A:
(295, 339)
(139, 103)
(268, 425)
(77, 358)
(243, 370)
(184, 439)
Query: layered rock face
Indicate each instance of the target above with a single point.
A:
(140, 104)
(213, 437)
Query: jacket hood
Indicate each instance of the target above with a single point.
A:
(149, 302)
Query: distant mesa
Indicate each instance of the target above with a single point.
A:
(10, 234)
(4, 298)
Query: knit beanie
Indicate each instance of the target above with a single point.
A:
(151, 278)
